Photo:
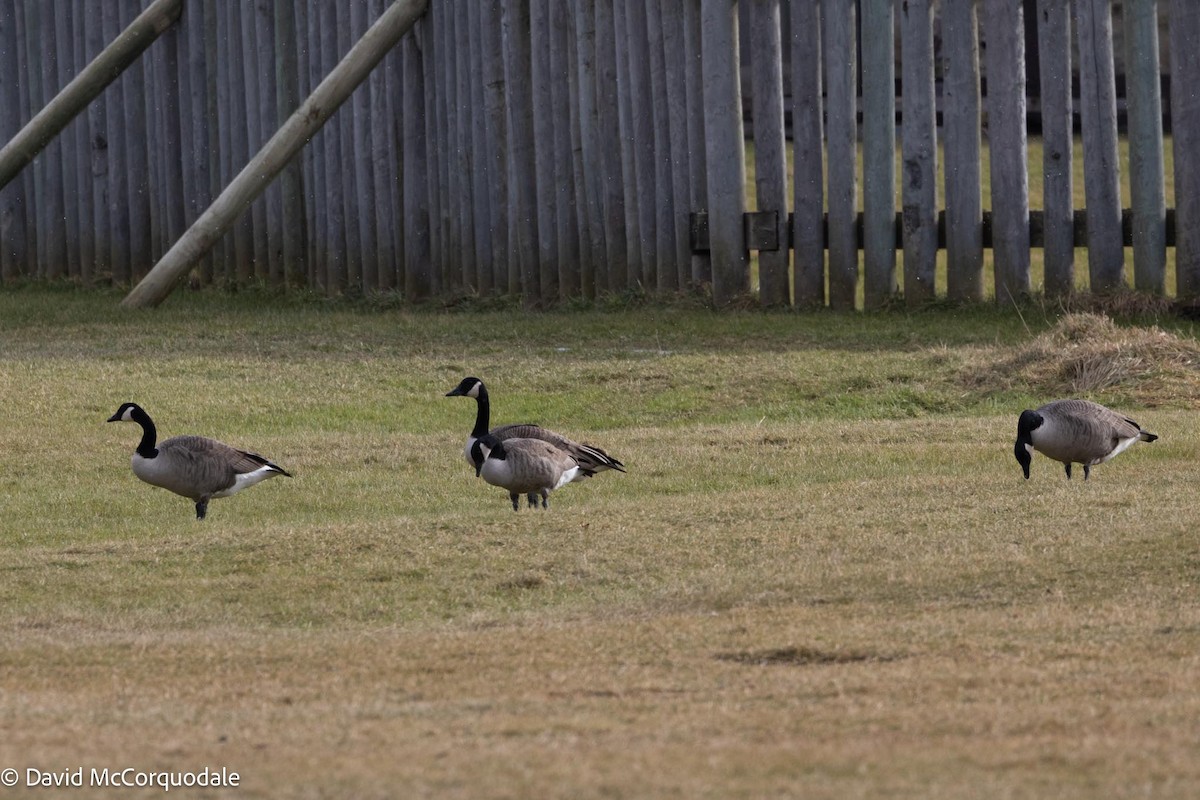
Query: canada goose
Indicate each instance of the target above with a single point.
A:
(590, 459)
(524, 466)
(1075, 431)
(193, 466)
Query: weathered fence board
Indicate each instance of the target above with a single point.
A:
(565, 149)
(1005, 68)
(961, 151)
(879, 147)
(1054, 45)
(1098, 110)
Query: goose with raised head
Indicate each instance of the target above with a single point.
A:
(531, 467)
(1075, 432)
(589, 458)
(195, 467)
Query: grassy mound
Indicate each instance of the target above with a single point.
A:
(1088, 354)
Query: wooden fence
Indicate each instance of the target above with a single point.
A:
(569, 148)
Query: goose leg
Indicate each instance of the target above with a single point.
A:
(202, 507)
(533, 499)
(1068, 468)
(1086, 469)
(516, 500)
(545, 499)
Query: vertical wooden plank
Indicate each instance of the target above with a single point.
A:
(1005, 64)
(365, 164)
(14, 241)
(580, 227)
(770, 161)
(1098, 112)
(461, 123)
(386, 167)
(337, 255)
(137, 167)
(318, 196)
(271, 201)
(1144, 105)
(446, 52)
(54, 223)
(523, 189)
(674, 43)
(919, 189)
(114, 151)
(154, 150)
(242, 267)
(563, 194)
(608, 135)
(666, 272)
(840, 73)
(543, 136)
(961, 132)
(485, 263)
(808, 178)
(595, 278)
(418, 274)
(427, 42)
(506, 278)
(91, 22)
(171, 193)
(393, 126)
(190, 78)
(1054, 45)
(1184, 32)
(632, 197)
(81, 160)
(355, 247)
(29, 26)
(879, 145)
(725, 151)
(292, 222)
(641, 111)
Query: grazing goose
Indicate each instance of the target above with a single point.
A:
(590, 459)
(193, 466)
(524, 466)
(1075, 431)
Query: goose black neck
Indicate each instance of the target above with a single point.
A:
(146, 448)
(483, 412)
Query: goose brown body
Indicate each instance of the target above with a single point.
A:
(1075, 432)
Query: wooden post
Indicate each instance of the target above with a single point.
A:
(580, 220)
(495, 108)
(14, 255)
(87, 85)
(879, 146)
(589, 145)
(291, 180)
(250, 182)
(1005, 64)
(563, 193)
(665, 269)
(269, 121)
(770, 159)
(1144, 101)
(522, 183)
(365, 165)
(1058, 244)
(701, 264)
(543, 149)
(674, 43)
(80, 161)
(919, 190)
(1098, 109)
(638, 93)
(610, 126)
(837, 17)
(631, 199)
(418, 273)
(725, 151)
(1185, 128)
(51, 201)
(961, 132)
(808, 202)
(485, 261)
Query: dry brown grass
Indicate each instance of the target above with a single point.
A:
(1086, 353)
(813, 582)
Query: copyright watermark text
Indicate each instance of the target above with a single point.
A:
(127, 778)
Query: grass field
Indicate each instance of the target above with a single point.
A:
(823, 575)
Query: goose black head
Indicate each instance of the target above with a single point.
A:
(468, 387)
(128, 412)
(486, 447)
(1022, 448)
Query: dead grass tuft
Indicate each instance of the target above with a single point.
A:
(1088, 353)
